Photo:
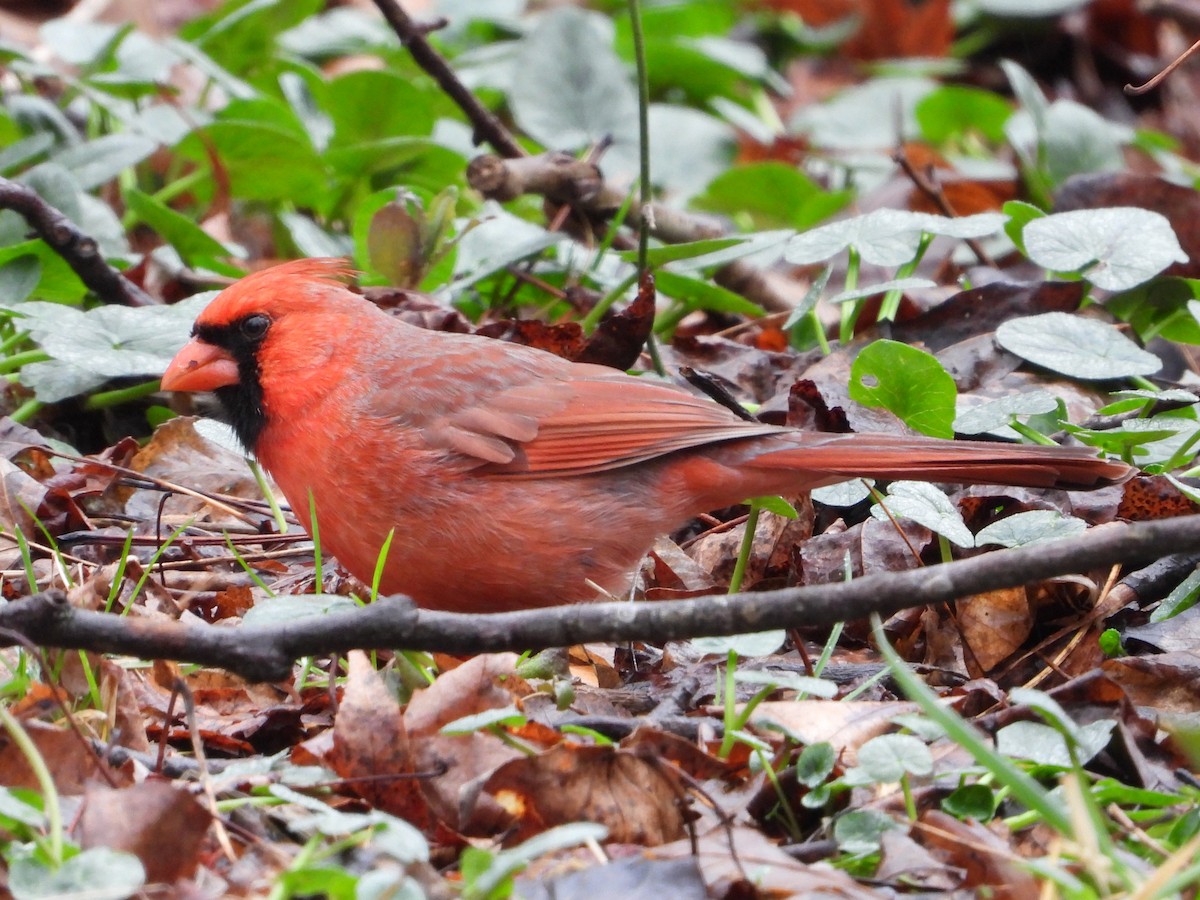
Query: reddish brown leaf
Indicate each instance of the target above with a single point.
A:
(164, 826)
(371, 748)
(636, 798)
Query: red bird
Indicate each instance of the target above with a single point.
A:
(511, 478)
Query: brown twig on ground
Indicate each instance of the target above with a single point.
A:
(266, 652)
(77, 249)
(487, 126)
(926, 184)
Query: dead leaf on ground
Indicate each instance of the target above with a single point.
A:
(72, 763)
(989, 862)
(161, 824)
(847, 725)
(481, 683)
(730, 856)
(995, 625)
(371, 746)
(638, 799)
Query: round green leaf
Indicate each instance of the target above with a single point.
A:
(890, 757)
(98, 874)
(569, 88)
(909, 382)
(928, 506)
(998, 413)
(1115, 248)
(843, 494)
(972, 801)
(761, 643)
(1075, 346)
(1034, 526)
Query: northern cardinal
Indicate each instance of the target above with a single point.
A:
(512, 478)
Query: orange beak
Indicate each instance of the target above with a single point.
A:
(200, 367)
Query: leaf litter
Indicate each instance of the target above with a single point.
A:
(628, 738)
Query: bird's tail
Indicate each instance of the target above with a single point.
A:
(830, 457)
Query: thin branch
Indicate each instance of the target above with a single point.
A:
(77, 249)
(561, 178)
(266, 652)
(487, 126)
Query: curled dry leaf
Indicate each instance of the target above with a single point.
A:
(481, 683)
(163, 825)
(986, 859)
(371, 743)
(995, 624)
(638, 799)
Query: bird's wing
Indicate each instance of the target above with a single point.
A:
(588, 423)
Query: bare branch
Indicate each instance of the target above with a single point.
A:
(487, 126)
(79, 250)
(267, 652)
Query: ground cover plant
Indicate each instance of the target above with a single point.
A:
(878, 215)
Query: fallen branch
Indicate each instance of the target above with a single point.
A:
(77, 249)
(267, 652)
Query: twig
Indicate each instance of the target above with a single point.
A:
(77, 249)
(931, 189)
(561, 178)
(487, 126)
(266, 652)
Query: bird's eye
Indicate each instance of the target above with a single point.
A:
(254, 327)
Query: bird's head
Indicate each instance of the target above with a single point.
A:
(263, 342)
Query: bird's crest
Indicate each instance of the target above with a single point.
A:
(278, 283)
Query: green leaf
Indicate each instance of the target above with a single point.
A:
(792, 681)
(114, 341)
(928, 506)
(1114, 248)
(762, 643)
(889, 757)
(815, 764)
(844, 493)
(1110, 643)
(1019, 215)
(1076, 346)
(872, 116)
(909, 382)
(569, 89)
(1162, 307)
(770, 195)
(777, 505)
(1182, 597)
(57, 281)
(16, 809)
(290, 607)
(885, 237)
(508, 862)
(507, 716)
(18, 278)
(955, 111)
(997, 414)
(688, 148)
(101, 160)
(871, 290)
(1033, 526)
(972, 801)
(668, 253)
(700, 293)
(371, 105)
(859, 831)
(241, 35)
(196, 246)
(98, 874)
